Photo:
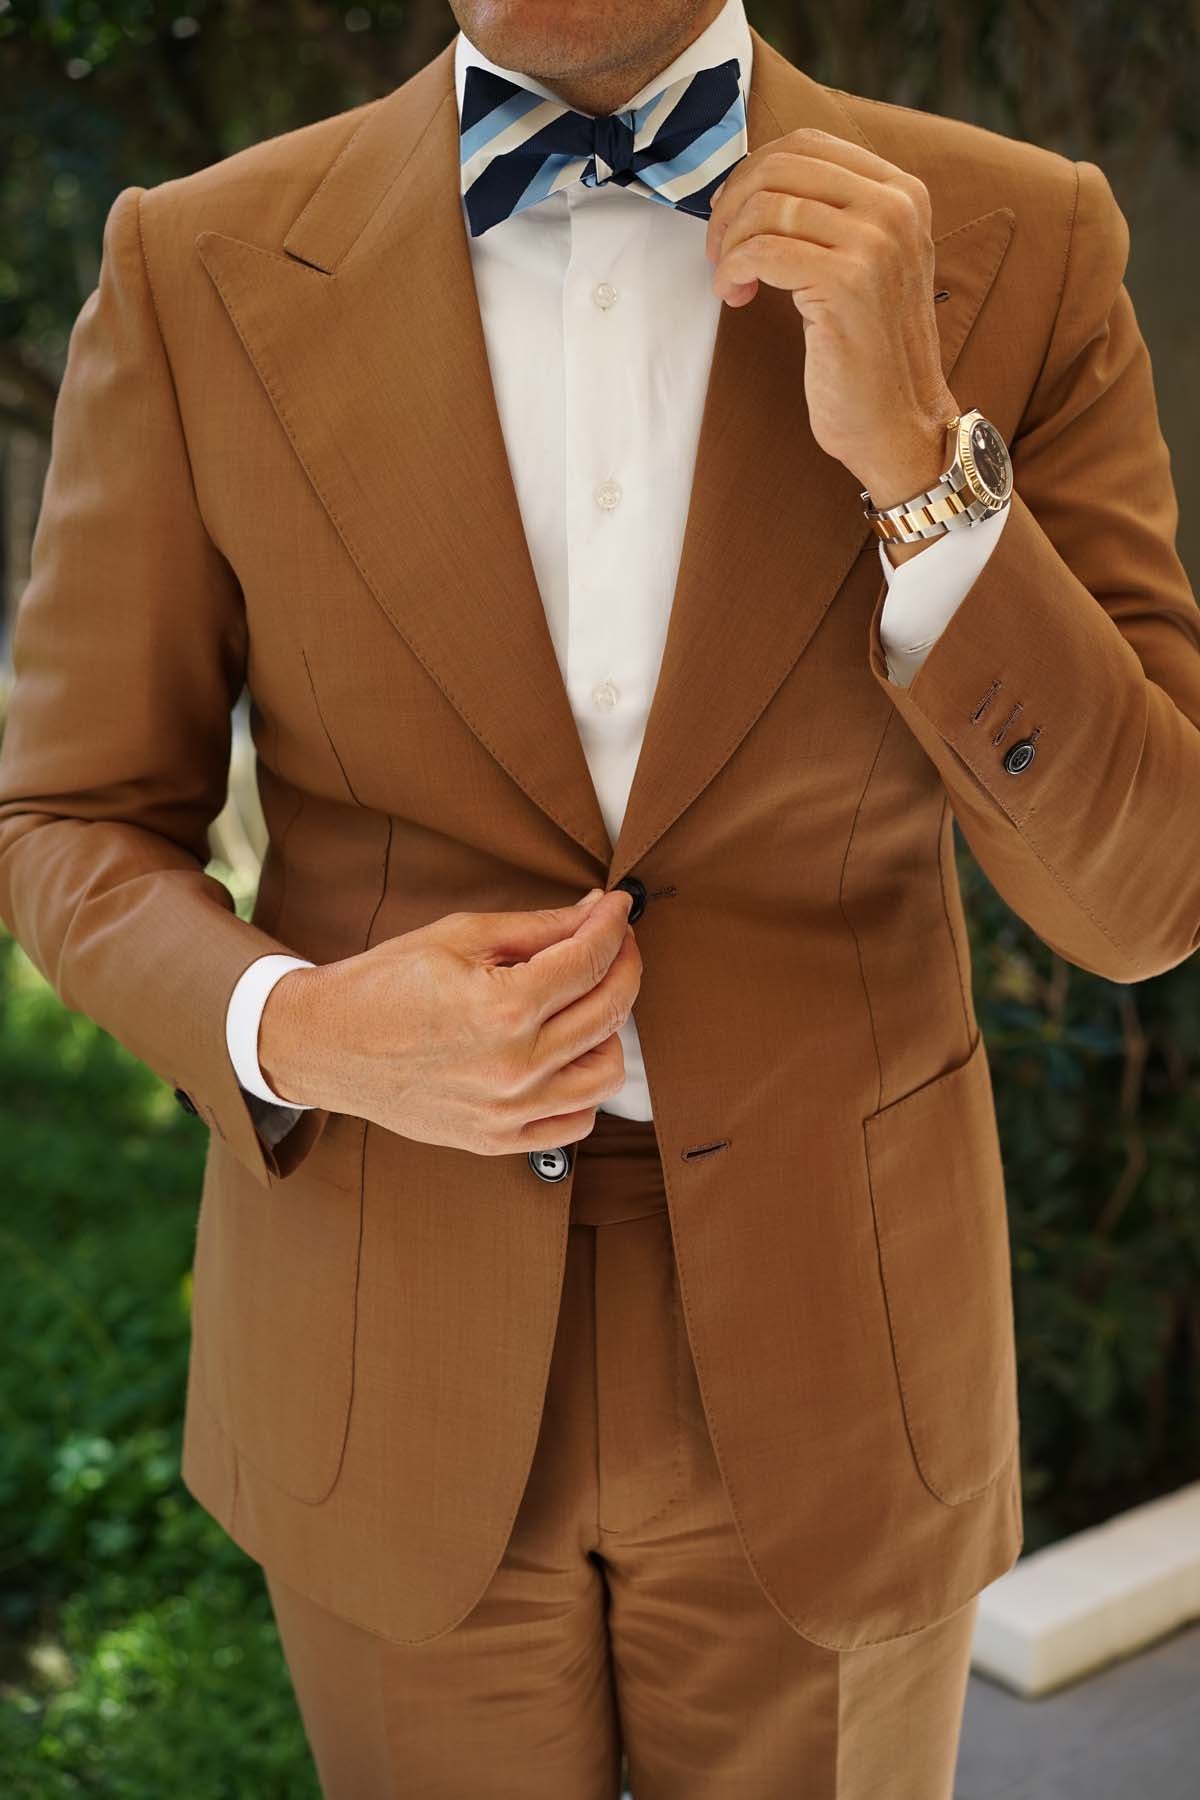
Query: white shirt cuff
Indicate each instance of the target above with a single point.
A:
(242, 1017)
(925, 591)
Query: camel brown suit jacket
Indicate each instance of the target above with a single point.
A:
(277, 460)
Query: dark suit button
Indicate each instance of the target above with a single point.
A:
(633, 886)
(551, 1165)
(1020, 756)
(186, 1101)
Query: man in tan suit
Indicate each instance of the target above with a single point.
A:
(564, 1425)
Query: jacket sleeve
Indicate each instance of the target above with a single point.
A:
(926, 591)
(129, 652)
(1081, 637)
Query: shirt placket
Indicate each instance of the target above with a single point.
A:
(604, 458)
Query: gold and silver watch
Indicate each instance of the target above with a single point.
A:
(975, 485)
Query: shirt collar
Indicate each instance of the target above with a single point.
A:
(725, 36)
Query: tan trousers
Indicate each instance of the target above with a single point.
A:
(624, 1616)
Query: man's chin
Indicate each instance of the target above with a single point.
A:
(542, 38)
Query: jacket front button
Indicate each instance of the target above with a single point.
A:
(637, 890)
(1020, 756)
(186, 1101)
(551, 1165)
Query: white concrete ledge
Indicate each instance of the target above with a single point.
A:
(1092, 1598)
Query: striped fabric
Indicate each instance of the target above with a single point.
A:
(516, 146)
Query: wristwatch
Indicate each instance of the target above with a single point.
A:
(976, 484)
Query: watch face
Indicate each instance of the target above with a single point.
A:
(990, 456)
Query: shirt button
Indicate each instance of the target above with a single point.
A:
(605, 695)
(604, 293)
(608, 495)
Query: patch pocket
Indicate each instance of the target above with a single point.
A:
(941, 1226)
(275, 1303)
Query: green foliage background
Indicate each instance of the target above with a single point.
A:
(138, 1654)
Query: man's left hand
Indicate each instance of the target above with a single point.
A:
(848, 234)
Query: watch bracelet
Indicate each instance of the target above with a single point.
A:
(933, 517)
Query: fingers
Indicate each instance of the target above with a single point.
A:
(552, 1133)
(554, 987)
(564, 1109)
(807, 144)
(474, 989)
(788, 174)
(768, 212)
(566, 970)
(500, 938)
(762, 193)
(595, 1016)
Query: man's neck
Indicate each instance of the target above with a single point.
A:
(609, 90)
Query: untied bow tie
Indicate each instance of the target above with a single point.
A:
(516, 147)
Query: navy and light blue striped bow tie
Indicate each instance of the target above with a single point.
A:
(516, 147)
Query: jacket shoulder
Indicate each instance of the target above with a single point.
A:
(968, 168)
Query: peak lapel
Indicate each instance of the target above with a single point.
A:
(774, 524)
(368, 339)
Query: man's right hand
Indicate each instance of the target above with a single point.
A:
(488, 1031)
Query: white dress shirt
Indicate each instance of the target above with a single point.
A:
(600, 321)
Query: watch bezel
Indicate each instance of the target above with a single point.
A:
(979, 487)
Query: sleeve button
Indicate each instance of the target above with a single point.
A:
(1018, 759)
